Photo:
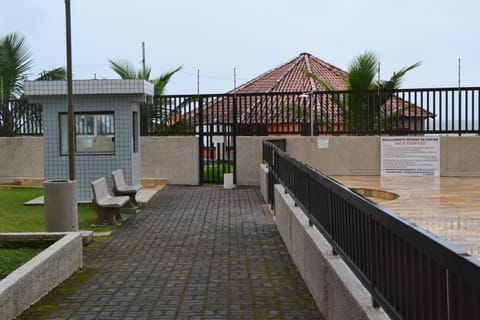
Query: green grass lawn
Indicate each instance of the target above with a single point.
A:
(11, 259)
(214, 172)
(15, 217)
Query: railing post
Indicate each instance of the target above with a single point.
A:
(234, 138)
(200, 139)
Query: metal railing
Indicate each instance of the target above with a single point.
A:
(18, 117)
(406, 111)
(400, 112)
(408, 272)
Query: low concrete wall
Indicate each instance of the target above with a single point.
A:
(26, 285)
(344, 156)
(249, 156)
(337, 292)
(21, 157)
(460, 156)
(176, 158)
(361, 155)
(173, 158)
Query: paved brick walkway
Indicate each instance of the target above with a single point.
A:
(193, 253)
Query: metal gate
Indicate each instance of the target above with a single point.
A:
(217, 138)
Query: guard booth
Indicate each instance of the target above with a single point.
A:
(107, 129)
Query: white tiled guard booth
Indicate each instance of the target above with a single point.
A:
(107, 128)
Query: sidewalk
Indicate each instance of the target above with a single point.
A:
(192, 253)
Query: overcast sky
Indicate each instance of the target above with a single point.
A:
(253, 36)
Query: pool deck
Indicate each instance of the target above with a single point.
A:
(448, 207)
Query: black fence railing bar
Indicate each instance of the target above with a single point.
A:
(18, 117)
(400, 112)
(451, 111)
(268, 158)
(409, 272)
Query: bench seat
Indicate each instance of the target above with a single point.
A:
(120, 187)
(107, 206)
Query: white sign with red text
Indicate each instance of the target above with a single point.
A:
(410, 156)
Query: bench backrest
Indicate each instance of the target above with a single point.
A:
(118, 179)
(100, 189)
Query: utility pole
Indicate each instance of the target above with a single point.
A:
(144, 66)
(71, 119)
(198, 81)
(234, 78)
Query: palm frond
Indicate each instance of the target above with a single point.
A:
(54, 74)
(362, 71)
(144, 74)
(396, 80)
(325, 84)
(123, 68)
(162, 81)
(15, 61)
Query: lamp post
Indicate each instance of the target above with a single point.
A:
(71, 120)
(60, 196)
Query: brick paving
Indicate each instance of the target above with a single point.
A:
(192, 253)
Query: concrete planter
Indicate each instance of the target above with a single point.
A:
(61, 210)
(29, 283)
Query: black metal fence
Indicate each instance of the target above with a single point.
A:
(409, 272)
(399, 112)
(18, 117)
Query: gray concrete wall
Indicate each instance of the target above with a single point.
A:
(176, 158)
(361, 155)
(173, 158)
(27, 284)
(249, 156)
(337, 292)
(344, 156)
(21, 157)
(460, 156)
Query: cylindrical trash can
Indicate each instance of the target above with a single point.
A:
(61, 210)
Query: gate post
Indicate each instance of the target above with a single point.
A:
(234, 138)
(200, 139)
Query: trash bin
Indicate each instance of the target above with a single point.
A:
(61, 210)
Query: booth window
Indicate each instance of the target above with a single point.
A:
(94, 133)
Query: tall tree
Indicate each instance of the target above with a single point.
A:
(15, 62)
(361, 105)
(127, 71)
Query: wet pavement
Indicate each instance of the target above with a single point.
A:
(192, 253)
(448, 207)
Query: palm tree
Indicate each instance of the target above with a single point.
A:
(160, 115)
(15, 62)
(126, 71)
(54, 74)
(361, 105)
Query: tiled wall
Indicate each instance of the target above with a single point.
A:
(89, 167)
(113, 86)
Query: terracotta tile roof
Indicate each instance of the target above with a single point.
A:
(262, 105)
(290, 77)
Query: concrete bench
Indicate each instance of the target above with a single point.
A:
(107, 206)
(120, 188)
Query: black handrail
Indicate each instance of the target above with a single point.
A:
(409, 272)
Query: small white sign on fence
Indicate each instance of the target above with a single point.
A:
(217, 139)
(410, 156)
(322, 142)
